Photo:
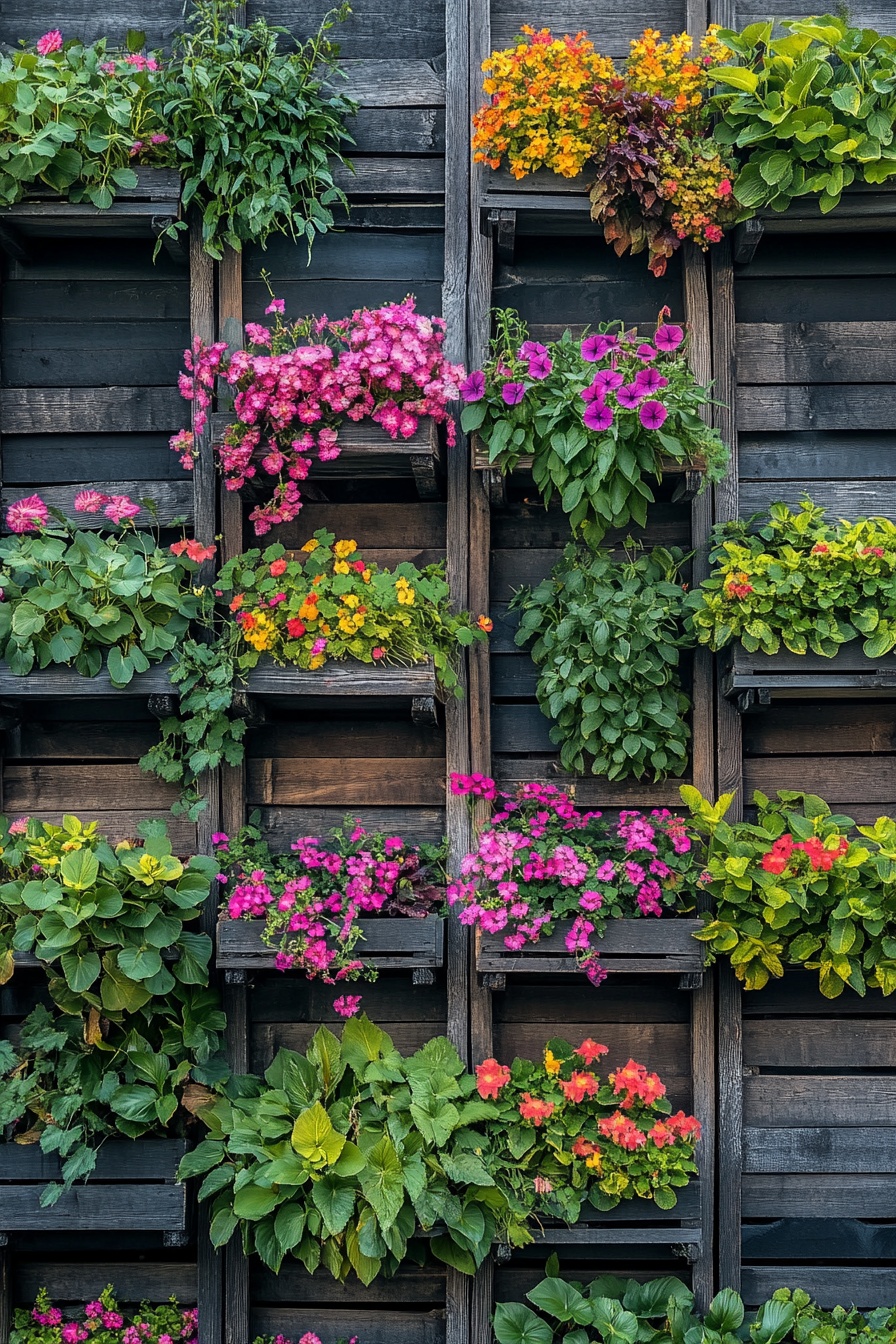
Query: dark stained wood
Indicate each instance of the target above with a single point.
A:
(789, 1194)
(404, 175)
(829, 1285)
(385, 943)
(301, 782)
(664, 946)
(819, 1149)
(822, 407)
(794, 728)
(172, 499)
(816, 1043)
(281, 825)
(819, 352)
(842, 499)
(374, 1326)
(342, 679)
(79, 1282)
(793, 1099)
(841, 780)
(88, 410)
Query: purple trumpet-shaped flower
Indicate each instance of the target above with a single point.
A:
(668, 337)
(630, 395)
(653, 414)
(646, 352)
(473, 386)
(513, 393)
(529, 349)
(650, 379)
(594, 392)
(598, 416)
(608, 379)
(596, 346)
(540, 366)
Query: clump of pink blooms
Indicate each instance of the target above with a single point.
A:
(102, 1322)
(311, 901)
(541, 860)
(32, 514)
(296, 384)
(309, 1337)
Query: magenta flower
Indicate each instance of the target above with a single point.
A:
(513, 393)
(276, 306)
(630, 395)
(473, 386)
(596, 346)
(653, 414)
(27, 515)
(90, 501)
(645, 352)
(594, 392)
(598, 416)
(608, 379)
(347, 1005)
(530, 349)
(650, 380)
(160, 138)
(120, 508)
(540, 366)
(50, 42)
(668, 337)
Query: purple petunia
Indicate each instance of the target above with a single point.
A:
(668, 337)
(540, 366)
(596, 346)
(529, 350)
(598, 416)
(645, 352)
(630, 395)
(473, 387)
(594, 392)
(513, 393)
(608, 379)
(653, 414)
(650, 380)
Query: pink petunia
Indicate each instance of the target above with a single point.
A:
(540, 366)
(90, 501)
(630, 395)
(473, 386)
(531, 349)
(50, 42)
(347, 1005)
(596, 346)
(594, 392)
(598, 416)
(650, 379)
(513, 393)
(646, 352)
(120, 508)
(653, 414)
(276, 306)
(668, 337)
(608, 379)
(27, 515)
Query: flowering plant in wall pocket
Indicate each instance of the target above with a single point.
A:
(103, 1322)
(541, 859)
(596, 416)
(298, 382)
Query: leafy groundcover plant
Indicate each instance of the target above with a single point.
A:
(88, 599)
(796, 888)
(610, 1310)
(597, 416)
(312, 899)
(77, 117)
(133, 1019)
(811, 111)
(298, 382)
(341, 1155)
(607, 640)
(801, 582)
(541, 859)
(557, 103)
(103, 1322)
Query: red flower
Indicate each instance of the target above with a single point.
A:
(620, 1129)
(194, 549)
(278, 567)
(584, 1147)
(774, 863)
(590, 1050)
(486, 623)
(237, 602)
(684, 1125)
(359, 566)
(580, 1086)
(490, 1078)
(661, 1135)
(712, 233)
(820, 548)
(532, 1108)
(295, 628)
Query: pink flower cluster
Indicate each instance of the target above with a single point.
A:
(32, 514)
(102, 1322)
(541, 860)
(297, 383)
(311, 903)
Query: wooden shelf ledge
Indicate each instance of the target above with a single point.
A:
(633, 946)
(393, 944)
(132, 1189)
(367, 450)
(864, 208)
(635, 1222)
(754, 680)
(66, 683)
(344, 679)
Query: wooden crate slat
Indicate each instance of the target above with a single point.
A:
(660, 946)
(816, 352)
(299, 781)
(388, 942)
(826, 1195)
(798, 1100)
(403, 175)
(68, 682)
(343, 679)
(373, 1326)
(91, 410)
(818, 1149)
(133, 1208)
(153, 184)
(816, 1043)
(118, 1160)
(281, 825)
(830, 1286)
(821, 407)
(173, 499)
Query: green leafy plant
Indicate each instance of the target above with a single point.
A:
(607, 641)
(90, 599)
(256, 129)
(812, 111)
(135, 1031)
(77, 117)
(793, 889)
(350, 1149)
(610, 1310)
(597, 416)
(800, 582)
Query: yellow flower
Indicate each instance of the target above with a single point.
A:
(406, 597)
(344, 548)
(351, 600)
(366, 576)
(317, 661)
(340, 567)
(199, 591)
(595, 1162)
(311, 545)
(552, 1065)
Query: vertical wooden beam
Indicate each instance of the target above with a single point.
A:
(703, 1047)
(5, 1290)
(730, 1154)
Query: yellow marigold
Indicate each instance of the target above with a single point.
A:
(406, 596)
(341, 567)
(317, 661)
(344, 548)
(351, 600)
(311, 545)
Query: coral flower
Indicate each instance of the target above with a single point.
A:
(90, 501)
(589, 1050)
(490, 1078)
(536, 1110)
(580, 1086)
(278, 567)
(486, 623)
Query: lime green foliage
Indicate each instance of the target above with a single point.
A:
(812, 110)
(607, 644)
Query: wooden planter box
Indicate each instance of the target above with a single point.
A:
(67, 683)
(136, 212)
(754, 680)
(864, 208)
(634, 1223)
(642, 946)
(389, 944)
(132, 1189)
(367, 450)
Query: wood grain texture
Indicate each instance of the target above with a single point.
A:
(410, 942)
(172, 499)
(793, 1099)
(89, 410)
(302, 782)
(819, 1149)
(871, 406)
(817, 352)
(813, 1043)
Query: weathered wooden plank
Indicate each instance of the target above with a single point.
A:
(589, 791)
(818, 352)
(517, 728)
(413, 27)
(390, 83)
(342, 679)
(831, 298)
(409, 526)
(47, 459)
(81, 353)
(27, 788)
(812, 1043)
(24, 19)
(118, 1160)
(654, 946)
(813, 1239)
(67, 681)
(842, 499)
(840, 780)
(401, 130)
(89, 410)
(374, 1326)
(527, 525)
(848, 658)
(407, 257)
(841, 1195)
(172, 499)
(843, 406)
(829, 1285)
(79, 300)
(794, 728)
(401, 175)
(361, 440)
(345, 738)
(793, 1099)
(610, 29)
(658, 1001)
(89, 1207)
(281, 825)
(80, 1281)
(807, 456)
(291, 782)
(384, 942)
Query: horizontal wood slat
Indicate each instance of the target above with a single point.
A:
(846, 406)
(134, 1208)
(819, 1149)
(91, 410)
(794, 1099)
(657, 946)
(813, 1043)
(830, 1286)
(301, 782)
(172, 499)
(343, 679)
(384, 943)
(68, 682)
(373, 1326)
(281, 825)
(838, 1195)
(816, 352)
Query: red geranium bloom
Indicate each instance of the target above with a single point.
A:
(490, 1078)
(532, 1108)
(589, 1050)
(580, 1086)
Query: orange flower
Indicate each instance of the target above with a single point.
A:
(486, 623)
(620, 1129)
(584, 1147)
(237, 602)
(580, 1086)
(532, 1108)
(490, 1078)
(278, 567)
(684, 1125)
(194, 549)
(589, 1050)
(661, 1135)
